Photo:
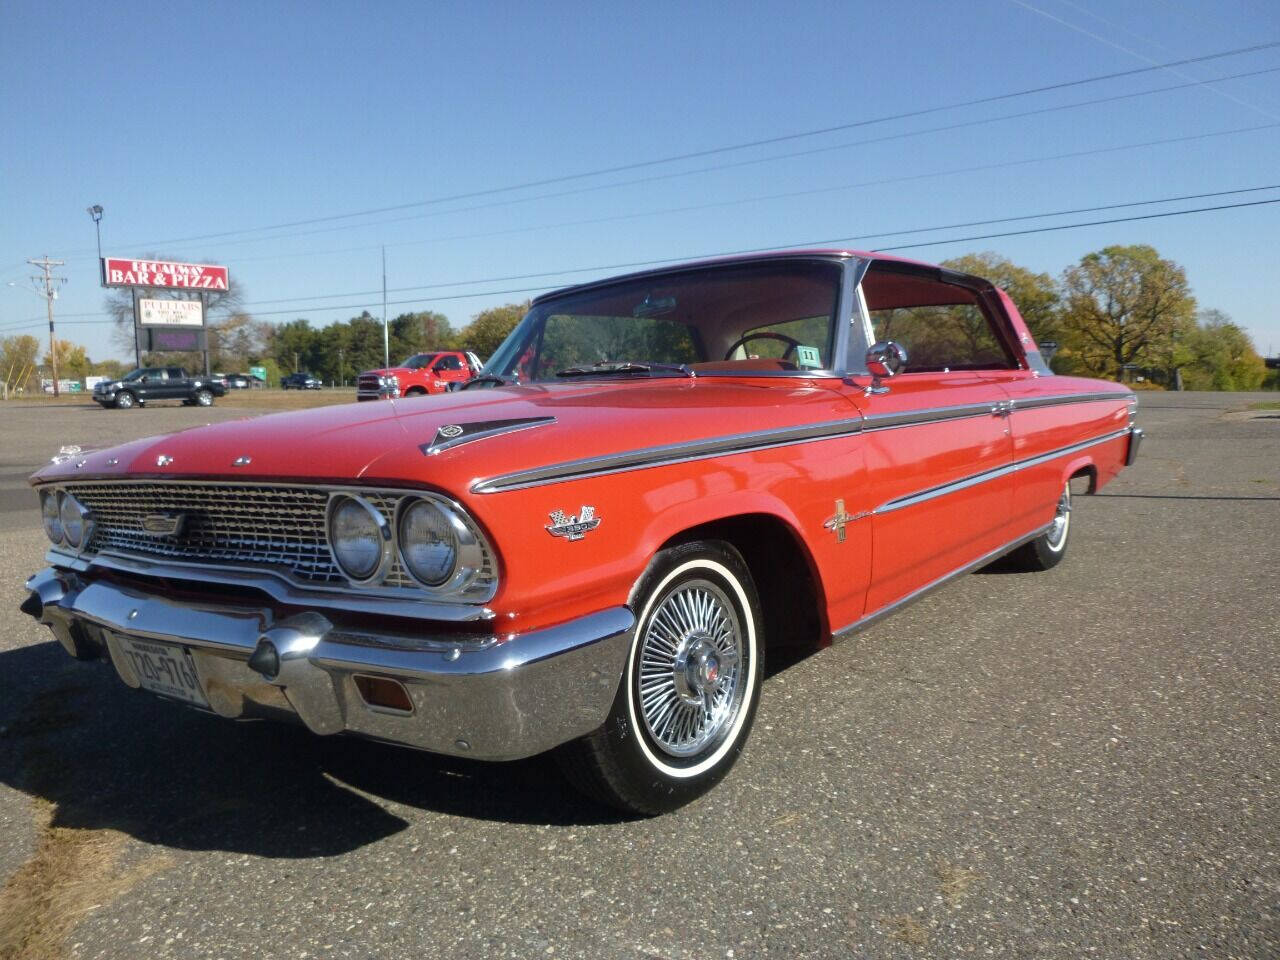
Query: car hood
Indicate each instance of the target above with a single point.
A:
(515, 428)
(389, 372)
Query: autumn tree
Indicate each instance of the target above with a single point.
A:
(18, 355)
(1125, 305)
(1035, 294)
(488, 328)
(73, 361)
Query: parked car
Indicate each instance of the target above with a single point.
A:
(421, 374)
(657, 482)
(148, 384)
(300, 381)
(243, 381)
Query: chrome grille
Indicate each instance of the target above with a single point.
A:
(369, 383)
(259, 526)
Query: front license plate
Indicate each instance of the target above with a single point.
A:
(164, 669)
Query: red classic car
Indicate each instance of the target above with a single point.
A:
(656, 481)
(419, 374)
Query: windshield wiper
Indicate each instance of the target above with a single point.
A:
(606, 367)
(493, 378)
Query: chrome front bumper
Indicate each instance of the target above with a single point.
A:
(490, 698)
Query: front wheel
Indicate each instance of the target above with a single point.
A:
(204, 398)
(1048, 549)
(689, 693)
(125, 400)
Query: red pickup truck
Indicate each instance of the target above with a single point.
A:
(421, 374)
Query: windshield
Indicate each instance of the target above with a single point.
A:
(739, 319)
(418, 361)
(134, 375)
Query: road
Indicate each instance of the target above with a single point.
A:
(1083, 762)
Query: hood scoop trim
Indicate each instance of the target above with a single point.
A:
(455, 434)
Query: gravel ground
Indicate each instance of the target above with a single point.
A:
(1077, 763)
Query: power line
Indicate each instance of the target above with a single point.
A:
(821, 242)
(697, 154)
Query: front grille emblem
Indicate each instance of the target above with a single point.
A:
(573, 528)
(164, 524)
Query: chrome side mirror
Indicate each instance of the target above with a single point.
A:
(885, 359)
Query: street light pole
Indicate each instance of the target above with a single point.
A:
(386, 329)
(96, 212)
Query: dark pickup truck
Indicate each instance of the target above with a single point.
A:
(146, 384)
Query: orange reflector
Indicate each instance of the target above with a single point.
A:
(384, 693)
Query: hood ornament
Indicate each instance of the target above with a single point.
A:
(573, 528)
(242, 461)
(64, 454)
(163, 460)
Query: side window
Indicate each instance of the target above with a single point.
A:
(175, 373)
(944, 327)
(449, 363)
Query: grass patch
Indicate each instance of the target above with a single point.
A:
(1265, 405)
(906, 929)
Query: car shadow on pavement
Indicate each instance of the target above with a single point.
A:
(107, 757)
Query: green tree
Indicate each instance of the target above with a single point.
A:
(1035, 294)
(1125, 305)
(420, 332)
(488, 328)
(1222, 356)
(73, 361)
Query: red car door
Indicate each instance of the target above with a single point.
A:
(450, 368)
(938, 445)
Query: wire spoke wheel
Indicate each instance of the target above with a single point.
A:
(691, 661)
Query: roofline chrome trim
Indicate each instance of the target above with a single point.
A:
(668, 454)
(974, 479)
(920, 592)
(353, 601)
(759, 440)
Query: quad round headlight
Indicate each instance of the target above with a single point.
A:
(51, 515)
(359, 537)
(76, 525)
(429, 542)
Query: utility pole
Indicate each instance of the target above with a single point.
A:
(386, 329)
(47, 286)
(342, 373)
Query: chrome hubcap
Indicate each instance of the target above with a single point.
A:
(1061, 520)
(690, 667)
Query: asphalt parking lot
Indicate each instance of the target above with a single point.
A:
(1083, 762)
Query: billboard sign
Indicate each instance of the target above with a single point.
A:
(170, 313)
(173, 340)
(124, 272)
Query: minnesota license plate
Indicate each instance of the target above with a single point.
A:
(164, 669)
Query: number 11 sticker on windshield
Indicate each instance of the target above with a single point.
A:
(808, 358)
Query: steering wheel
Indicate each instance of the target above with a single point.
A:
(764, 335)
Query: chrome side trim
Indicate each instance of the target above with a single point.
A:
(763, 439)
(974, 479)
(1027, 403)
(667, 454)
(845, 632)
(412, 607)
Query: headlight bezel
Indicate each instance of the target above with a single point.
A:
(386, 538)
(470, 554)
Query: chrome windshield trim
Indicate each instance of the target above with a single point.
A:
(974, 479)
(667, 454)
(355, 601)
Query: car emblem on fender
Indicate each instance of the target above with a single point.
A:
(164, 524)
(573, 528)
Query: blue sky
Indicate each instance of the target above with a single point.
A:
(191, 120)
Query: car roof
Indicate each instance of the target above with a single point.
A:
(801, 254)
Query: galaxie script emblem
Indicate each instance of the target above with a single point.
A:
(573, 528)
(164, 524)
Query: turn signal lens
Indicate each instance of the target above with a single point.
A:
(50, 515)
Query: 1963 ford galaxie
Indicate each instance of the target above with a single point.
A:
(594, 545)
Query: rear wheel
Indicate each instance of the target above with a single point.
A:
(1048, 549)
(125, 400)
(690, 689)
(204, 398)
